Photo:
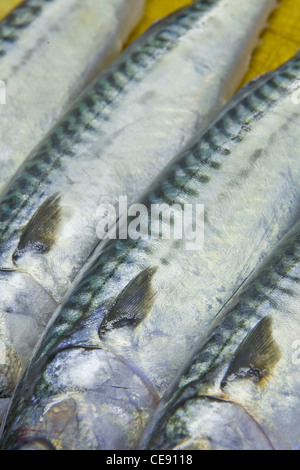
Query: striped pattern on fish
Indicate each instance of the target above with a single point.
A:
(21, 17)
(125, 127)
(124, 304)
(244, 371)
(49, 52)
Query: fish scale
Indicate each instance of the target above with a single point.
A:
(37, 40)
(96, 104)
(270, 289)
(200, 158)
(21, 17)
(123, 303)
(131, 121)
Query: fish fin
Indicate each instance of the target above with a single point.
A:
(132, 304)
(39, 234)
(256, 356)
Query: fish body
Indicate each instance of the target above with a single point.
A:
(127, 125)
(241, 389)
(149, 301)
(49, 51)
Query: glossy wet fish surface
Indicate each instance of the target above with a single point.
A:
(144, 305)
(49, 51)
(113, 141)
(241, 389)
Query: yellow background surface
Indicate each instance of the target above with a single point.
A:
(280, 41)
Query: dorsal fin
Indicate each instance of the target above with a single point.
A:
(256, 356)
(39, 234)
(132, 304)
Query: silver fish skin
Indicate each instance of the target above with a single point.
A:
(15, 342)
(49, 51)
(245, 168)
(125, 127)
(240, 391)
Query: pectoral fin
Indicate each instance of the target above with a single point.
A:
(256, 356)
(132, 304)
(40, 233)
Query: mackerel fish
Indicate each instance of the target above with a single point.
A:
(125, 127)
(241, 391)
(139, 310)
(49, 51)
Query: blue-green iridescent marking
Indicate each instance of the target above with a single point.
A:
(191, 163)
